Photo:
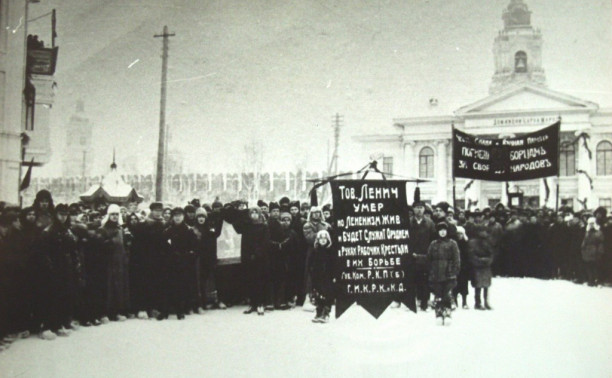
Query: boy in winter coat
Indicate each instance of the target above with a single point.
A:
(322, 275)
(481, 254)
(182, 243)
(444, 263)
(592, 251)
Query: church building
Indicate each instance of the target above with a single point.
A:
(519, 102)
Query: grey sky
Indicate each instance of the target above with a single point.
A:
(276, 71)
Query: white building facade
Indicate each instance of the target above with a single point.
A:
(27, 91)
(519, 102)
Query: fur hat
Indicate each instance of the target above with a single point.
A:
(601, 210)
(189, 209)
(284, 201)
(418, 203)
(112, 209)
(443, 205)
(327, 208)
(441, 226)
(156, 206)
(178, 210)
(274, 205)
(294, 204)
(61, 208)
(200, 211)
(261, 203)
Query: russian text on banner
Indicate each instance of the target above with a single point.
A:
(371, 236)
(526, 157)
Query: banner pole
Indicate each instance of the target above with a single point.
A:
(453, 163)
(558, 165)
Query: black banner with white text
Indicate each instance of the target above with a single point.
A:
(530, 156)
(372, 244)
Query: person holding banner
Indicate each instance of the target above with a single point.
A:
(444, 264)
(314, 224)
(422, 231)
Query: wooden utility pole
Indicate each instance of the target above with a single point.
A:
(159, 179)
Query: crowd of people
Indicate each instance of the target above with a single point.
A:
(65, 266)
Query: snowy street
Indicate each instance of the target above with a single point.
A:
(537, 328)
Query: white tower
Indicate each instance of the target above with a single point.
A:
(517, 50)
(78, 155)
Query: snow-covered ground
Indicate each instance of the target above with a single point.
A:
(536, 329)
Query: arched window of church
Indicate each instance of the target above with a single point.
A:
(604, 158)
(426, 163)
(567, 159)
(520, 62)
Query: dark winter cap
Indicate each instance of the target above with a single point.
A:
(195, 202)
(62, 208)
(74, 209)
(601, 210)
(9, 215)
(327, 207)
(441, 226)
(178, 210)
(261, 203)
(294, 204)
(217, 204)
(189, 209)
(418, 203)
(43, 194)
(285, 201)
(305, 206)
(443, 205)
(274, 205)
(156, 206)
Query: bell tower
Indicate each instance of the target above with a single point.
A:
(517, 50)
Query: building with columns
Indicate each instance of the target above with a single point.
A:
(519, 102)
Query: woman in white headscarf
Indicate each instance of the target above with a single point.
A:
(113, 241)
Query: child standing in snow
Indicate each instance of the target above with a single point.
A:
(481, 258)
(322, 273)
(444, 263)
